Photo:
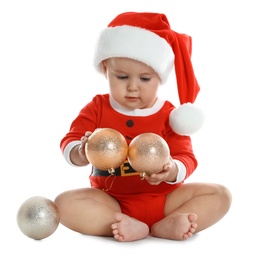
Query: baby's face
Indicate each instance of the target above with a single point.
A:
(133, 84)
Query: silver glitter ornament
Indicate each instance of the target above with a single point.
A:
(106, 149)
(148, 153)
(38, 217)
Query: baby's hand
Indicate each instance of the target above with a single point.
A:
(81, 149)
(168, 174)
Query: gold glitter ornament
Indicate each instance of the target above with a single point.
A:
(38, 217)
(106, 149)
(148, 153)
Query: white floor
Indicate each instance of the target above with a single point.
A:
(228, 239)
(46, 78)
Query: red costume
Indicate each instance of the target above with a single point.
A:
(137, 198)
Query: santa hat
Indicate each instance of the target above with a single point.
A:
(148, 37)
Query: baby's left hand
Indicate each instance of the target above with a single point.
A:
(169, 173)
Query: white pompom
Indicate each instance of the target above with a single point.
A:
(186, 119)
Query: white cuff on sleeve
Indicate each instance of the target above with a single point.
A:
(68, 149)
(181, 172)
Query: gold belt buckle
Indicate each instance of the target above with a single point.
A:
(127, 170)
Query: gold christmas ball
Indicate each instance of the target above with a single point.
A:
(38, 217)
(106, 149)
(148, 153)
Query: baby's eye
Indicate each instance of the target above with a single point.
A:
(121, 77)
(145, 79)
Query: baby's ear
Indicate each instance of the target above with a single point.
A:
(104, 67)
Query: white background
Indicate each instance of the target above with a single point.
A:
(46, 77)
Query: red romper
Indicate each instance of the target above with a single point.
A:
(137, 198)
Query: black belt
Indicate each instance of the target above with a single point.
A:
(124, 170)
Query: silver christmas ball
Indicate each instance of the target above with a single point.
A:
(38, 217)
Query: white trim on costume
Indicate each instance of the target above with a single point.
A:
(68, 149)
(137, 112)
(181, 172)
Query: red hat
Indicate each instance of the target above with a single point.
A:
(148, 37)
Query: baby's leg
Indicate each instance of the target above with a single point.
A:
(127, 229)
(87, 211)
(191, 208)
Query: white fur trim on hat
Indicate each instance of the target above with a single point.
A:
(135, 43)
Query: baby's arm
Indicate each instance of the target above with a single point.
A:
(77, 154)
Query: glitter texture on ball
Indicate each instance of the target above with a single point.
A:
(38, 217)
(106, 149)
(148, 153)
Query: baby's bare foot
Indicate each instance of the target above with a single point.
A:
(177, 227)
(128, 229)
